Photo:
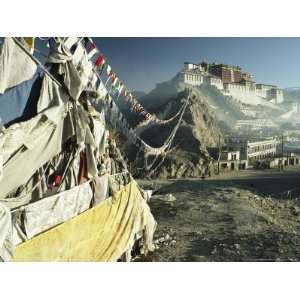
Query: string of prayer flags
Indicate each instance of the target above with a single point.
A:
(117, 87)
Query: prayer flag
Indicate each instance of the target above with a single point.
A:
(108, 70)
(92, 53)
(90, 47)
(99, 61)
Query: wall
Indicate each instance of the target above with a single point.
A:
(193, 79)
(230, 155)
(213, 81)
(270, 93)
(243, 93)
(276, 94)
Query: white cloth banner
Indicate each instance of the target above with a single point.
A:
(16, 66)
(102, 91)
(6, 244)
(85, 69)
(70, 41)
(1, 167)
(101, 188)
(51, 94)
(78, 54)
(51, 211)
(28, 146)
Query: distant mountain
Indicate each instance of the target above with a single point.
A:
(294, 88)
(139, 94)
(292, 94)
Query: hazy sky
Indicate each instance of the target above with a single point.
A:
(143, 62)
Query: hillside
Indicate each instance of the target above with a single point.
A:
(197, 131)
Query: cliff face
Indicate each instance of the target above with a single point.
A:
(197, 131)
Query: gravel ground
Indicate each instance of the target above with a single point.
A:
(229, 218)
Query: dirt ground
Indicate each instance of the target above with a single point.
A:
(242, 216)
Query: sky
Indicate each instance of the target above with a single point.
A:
(142, 62)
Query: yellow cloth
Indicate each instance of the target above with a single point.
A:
(30, 43)
(102, 233)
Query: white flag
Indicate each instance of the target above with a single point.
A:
(92, 53)
(108, 70)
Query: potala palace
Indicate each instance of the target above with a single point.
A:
(231, 81)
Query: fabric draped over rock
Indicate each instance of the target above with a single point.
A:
(11, 58)
(54, 188)
(102, 233)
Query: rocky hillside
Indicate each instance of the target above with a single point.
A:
(197, 131)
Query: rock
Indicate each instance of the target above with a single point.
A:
(237, 246)
(160, 240)
(214, 251)
(166, 198)
(173, 243)
(170, 198)
(295, 210)
(280, 205)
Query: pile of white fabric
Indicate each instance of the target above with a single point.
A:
(52, 165)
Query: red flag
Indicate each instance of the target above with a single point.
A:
(99, 61)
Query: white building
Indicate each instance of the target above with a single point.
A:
(214, 81)
(190, 66)
(244, 92)
(242, 89)
(230, 155)
(253, 150)
(194, 78)
(270, 92)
